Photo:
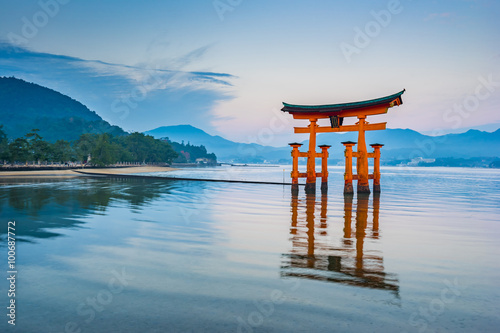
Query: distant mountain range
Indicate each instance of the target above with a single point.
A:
(400, 144)
(25, 106)
(408, 144)
(226, 150)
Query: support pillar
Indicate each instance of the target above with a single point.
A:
(362, 158)
(324, 168)
(376, 210)
(310, 219)
(324, 214)
(376, 167)
(294, 208)
(311, 158)
(348, 167)
(295, 167)
(361, 223)
(347, 218)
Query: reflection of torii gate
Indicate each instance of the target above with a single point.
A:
(355, 262)
(336, 113)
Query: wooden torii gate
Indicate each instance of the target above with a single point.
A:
(336, 113)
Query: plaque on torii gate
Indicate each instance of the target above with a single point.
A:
(336, 113)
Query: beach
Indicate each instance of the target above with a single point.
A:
(75, 173)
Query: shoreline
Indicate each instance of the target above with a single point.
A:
(126, 172)
(73, 172)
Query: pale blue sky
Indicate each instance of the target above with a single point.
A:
(138, 63)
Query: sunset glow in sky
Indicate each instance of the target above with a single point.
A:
(225, 66)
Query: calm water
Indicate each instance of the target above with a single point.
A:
(138, 255)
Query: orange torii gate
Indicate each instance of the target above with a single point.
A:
(336, 113)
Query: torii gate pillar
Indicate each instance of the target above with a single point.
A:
(311, 158)
(362, 158)
(376, 166)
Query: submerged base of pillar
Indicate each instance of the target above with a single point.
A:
(376, 188)
(363, 188)
(348, 189)
(295, 189)
(310, 187)
(324, 187)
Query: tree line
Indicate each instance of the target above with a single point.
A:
(188, 153)
(103, 149)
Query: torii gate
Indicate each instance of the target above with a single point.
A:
(336, 113)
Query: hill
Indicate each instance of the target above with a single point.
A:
(400, 144)
(225, 150)
(24, 106)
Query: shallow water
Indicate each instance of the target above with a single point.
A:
(139, 255)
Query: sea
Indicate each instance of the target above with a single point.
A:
(165, 255)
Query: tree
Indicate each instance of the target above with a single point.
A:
(189, 153)
(39, 149)
(63, 152)
(102, 153)
(19, 150)
(84, 146)
(146, 149)
(105, 151)
(4, 145)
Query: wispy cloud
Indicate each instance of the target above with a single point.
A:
(18, 54)
(168, 95)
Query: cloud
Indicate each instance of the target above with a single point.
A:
(137, 97)
(102, 68)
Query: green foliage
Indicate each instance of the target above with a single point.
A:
(19, 151)
(39, 149)
(102, 148)
(62, 152)
(105, 152)
(189, 153)
(147, 149)
(84, 146)
(4, 145)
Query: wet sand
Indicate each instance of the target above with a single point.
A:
(72, 173)
(121, 171)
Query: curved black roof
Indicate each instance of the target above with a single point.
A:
(343, 106)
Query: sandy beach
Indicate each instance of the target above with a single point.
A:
(72, 173)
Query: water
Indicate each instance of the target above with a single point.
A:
(139, 255)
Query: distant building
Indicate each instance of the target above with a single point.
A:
(203, 160)
(420, 160)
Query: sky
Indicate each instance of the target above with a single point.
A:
(226, 66)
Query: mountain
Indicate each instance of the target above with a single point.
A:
(225, 150)
(406, 144)
(24, 106)
(400, 144)
(189, 133)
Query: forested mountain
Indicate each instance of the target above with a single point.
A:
(25, 106)
(43, 125)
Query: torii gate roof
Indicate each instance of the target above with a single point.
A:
(339, 109)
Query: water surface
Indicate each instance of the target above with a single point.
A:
(134, 255)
